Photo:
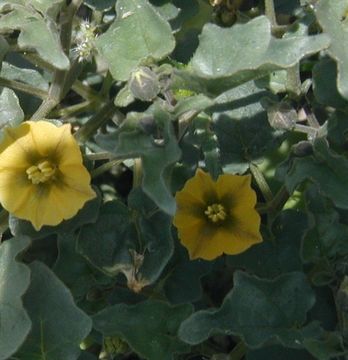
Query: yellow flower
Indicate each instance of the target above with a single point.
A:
(42, 178)
(216, 217)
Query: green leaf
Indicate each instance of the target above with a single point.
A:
(326, 236)
(280, 309)
(331, 347)
(154, 233)
(107, 243)
(137, 243)
(14, 281)
(193, 103)
(275, 81)
(227, 57)
(48, 7)
(101, 5)
(325, 84)
(11, 113)
(326, 169)
(338, 128)
(166, 9)
(242, 127)
(72, 268)
(158, 157)
(278, 255)
(150, 327)
(87, 355)
(183, 283)
(203, 137)
(332, 16)
(59, 325)
(37, 32)
(278, 352)
(3, 49)
(138, 34)
(26, 76)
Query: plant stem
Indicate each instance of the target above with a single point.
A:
(28, 89)
(261, 182)
(98, 119)
(86, 92)
(185, 121)
(107, 83)
(238, 351)
(311, 118)
(279, 200)
(293, 81)
(58, 86)
(341, 302)
(306, 129)
(37, 61)
(99, 156)
(73, 109)
(3, 222)
(105, 167)
(270, 12)
(69, 78)
(137, 173)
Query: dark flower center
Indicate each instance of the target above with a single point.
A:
(41, 172)
(215, 213)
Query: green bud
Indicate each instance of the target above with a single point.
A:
(144, 84)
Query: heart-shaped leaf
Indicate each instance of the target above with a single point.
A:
(150, 327)
(59, 325)
(139, 33)
(14, 281)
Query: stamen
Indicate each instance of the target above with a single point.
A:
(41, 173)
(215, 213)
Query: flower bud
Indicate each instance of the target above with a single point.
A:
(144, 84)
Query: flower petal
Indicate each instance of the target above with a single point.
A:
(199, 240)
(50, 205)
(202, 187)
(76, 177)
(246, 225)
(70, 200)
(56, 142)
(16, 148)
(14, 189)
(189, 208)
(237, 241)
(234, 187)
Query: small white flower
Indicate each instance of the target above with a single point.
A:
(85, 41)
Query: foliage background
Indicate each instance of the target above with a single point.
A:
(155, 89)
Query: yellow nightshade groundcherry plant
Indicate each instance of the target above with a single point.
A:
(42, 177)
(216, 217)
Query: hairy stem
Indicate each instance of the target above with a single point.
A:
(293, 81)
(95, 122)
(270, 12)
(261, 182)
(73, 109)
(58, 86)
(105, 167)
